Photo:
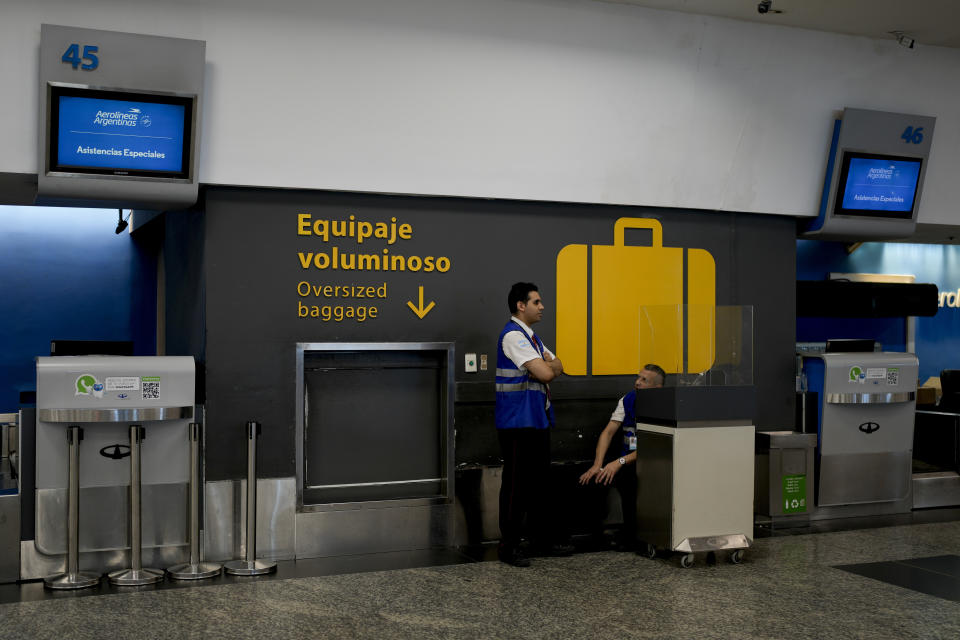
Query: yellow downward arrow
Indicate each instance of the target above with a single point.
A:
(420, 310)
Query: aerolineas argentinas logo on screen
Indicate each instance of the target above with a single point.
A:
(129, 118)
(882, 173)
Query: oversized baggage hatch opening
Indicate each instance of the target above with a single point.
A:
(376, 422)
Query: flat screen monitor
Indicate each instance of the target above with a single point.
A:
(880, 186)
(119, 133)
(91, 348)
(850, 345)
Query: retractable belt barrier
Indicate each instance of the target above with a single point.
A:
(250, 566)
(73, 578)
(137, 574)
(195, 569)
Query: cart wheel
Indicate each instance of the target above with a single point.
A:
(651, 551)
(737, 556)
(686, 561)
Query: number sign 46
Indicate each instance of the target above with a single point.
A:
(912, 136)
(89, 58)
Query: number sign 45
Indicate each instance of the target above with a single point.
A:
(89, 58)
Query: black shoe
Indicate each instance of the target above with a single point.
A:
(624, 545)
(624, 540)
(513, 556)
(599, 542)
(555, 550)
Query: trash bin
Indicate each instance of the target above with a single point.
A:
(784, 476)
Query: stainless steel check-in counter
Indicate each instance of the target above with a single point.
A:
(865, 414)
(104, 396)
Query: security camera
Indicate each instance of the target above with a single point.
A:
(903, 39)
(764, 6)
(121, 223)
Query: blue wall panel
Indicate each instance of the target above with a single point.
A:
(65, 275)
(938, 337)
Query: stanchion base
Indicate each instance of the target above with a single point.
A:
(79, 580)
(199, 571)
(135, 577)
(246, 568)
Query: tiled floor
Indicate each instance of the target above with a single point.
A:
(936, 576)
(789, 586)
(286, 570)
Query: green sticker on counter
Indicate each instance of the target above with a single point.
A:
(795, 494)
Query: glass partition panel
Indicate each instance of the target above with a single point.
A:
(698, 345)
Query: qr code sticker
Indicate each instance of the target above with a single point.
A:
(151, 390)
(893, 377)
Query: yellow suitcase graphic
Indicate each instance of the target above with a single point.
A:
(636, 304)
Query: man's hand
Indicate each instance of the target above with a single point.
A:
(542, 370)
(590, 474)
(603, 443)
(609, 470)
(553, 362)
(601, 474)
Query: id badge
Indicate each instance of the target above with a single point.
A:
(631, 439)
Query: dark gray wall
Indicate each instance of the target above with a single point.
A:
(251, 270)
(184, 292)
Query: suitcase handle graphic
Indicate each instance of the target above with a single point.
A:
(621, 226)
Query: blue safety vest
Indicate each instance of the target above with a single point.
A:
(522, 400)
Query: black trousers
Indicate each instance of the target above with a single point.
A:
(524, 488)
(626, 483)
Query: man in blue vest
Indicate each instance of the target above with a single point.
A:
(524, 416)
(617, 465)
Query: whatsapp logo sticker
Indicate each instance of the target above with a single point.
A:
(856, 374)
(88, 385)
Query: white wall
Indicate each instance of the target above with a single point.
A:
(565, 100)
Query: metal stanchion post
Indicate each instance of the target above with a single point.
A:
(195, 569)
(136, 575)
(251, 566)
(73, 578)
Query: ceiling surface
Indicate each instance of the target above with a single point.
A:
(928, 22)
